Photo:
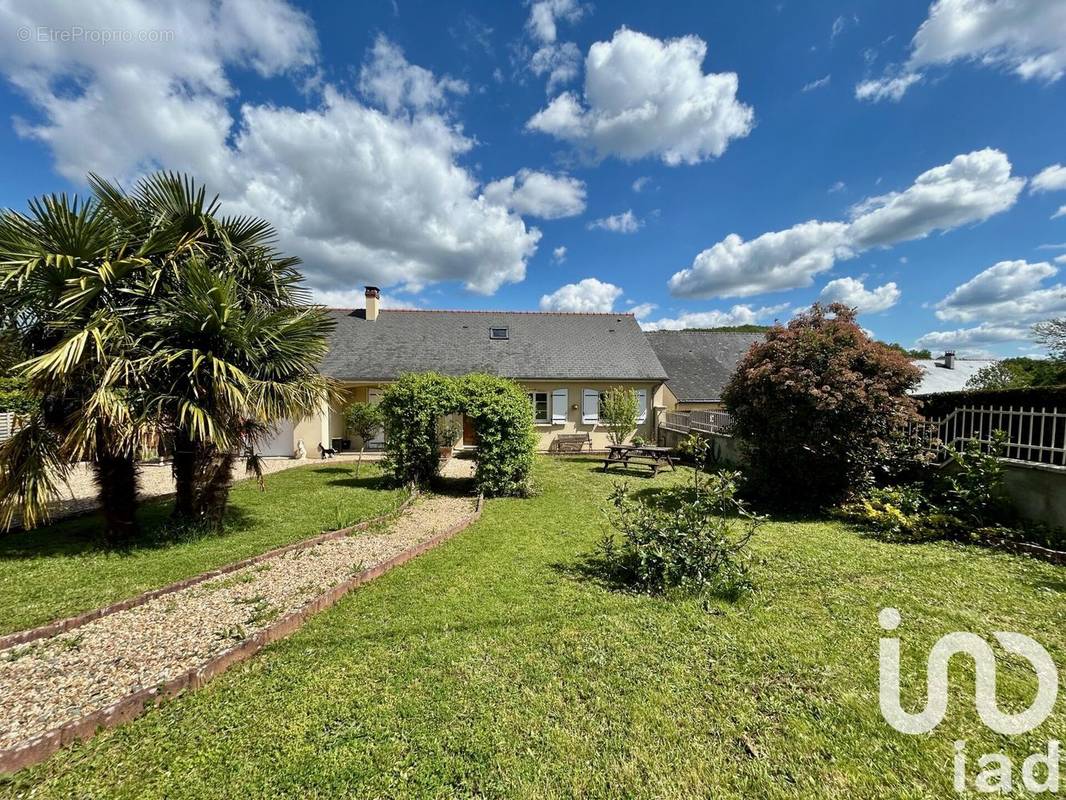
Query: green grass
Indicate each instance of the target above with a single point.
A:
(59, 570)
(494, 666)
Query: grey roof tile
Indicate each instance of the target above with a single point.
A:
(700, 363)
(540, 345)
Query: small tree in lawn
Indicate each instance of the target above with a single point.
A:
(618, 411)
(820, 408)
(362, 419)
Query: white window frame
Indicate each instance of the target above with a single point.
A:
(642, 406)
(547, 419)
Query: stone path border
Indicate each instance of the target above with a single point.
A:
(38, 748)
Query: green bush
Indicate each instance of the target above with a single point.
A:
(618, 413)
(692, 539)
(963, 501)
(499, 408)
(410, 407)
(506, 441)
(13, 396)
(363, 419)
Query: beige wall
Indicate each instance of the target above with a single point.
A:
(309, 430)
(668, 401)
(598, 433)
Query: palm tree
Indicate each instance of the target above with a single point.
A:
(147, 313)
(63, 267)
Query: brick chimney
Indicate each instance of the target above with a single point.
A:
(373, 299)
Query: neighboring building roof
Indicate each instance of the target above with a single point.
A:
(938, 378)
(539, 345)
(700, 363)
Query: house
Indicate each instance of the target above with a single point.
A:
(563, 360)
(698, 364)
(947, 373)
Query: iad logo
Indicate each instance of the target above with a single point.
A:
(999, 776)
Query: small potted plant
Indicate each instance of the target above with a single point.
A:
(448, 433)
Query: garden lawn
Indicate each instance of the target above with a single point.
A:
(495, 665)
(58, 571)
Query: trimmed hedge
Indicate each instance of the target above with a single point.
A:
(937, 405)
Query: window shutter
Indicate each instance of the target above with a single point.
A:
(590, 407)
(642, 405)
(560, 402)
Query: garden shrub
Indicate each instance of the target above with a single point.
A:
(817, 406)
(13, 396)
(506, 441)
(692, 539)
(618, 413)
(499, 408)
(410, 407)
(963, 501)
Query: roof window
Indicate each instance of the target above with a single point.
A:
(498, 333)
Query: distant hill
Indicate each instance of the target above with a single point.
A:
(734, 329)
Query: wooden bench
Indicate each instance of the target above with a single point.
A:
(570, 443)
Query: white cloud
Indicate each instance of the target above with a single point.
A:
(984, 334)
(839, 186)
(641, 183)
(887, 88)
(394, 84)
(544, 16)
(560, 61)
(626, 222)
(353, 298)
(1049, 179)
(1060, 213)
(103, 106)
(641, 310)
(817, 84)
(737, 315)
(588, 295)
(774, 261)
(969, 189)
(559, 254)
(1060, 259)
(853, 293)
(538, 194)
(1010, 291)
(649, 97)
(362, 195)
(1027, 37)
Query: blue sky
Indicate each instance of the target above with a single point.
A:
(695, 163)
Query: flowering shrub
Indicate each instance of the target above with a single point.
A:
(817, 406)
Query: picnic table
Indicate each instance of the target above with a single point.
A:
(644, 455)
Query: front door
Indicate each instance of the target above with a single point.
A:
(469, 432)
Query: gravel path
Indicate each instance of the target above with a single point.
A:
(57, 679)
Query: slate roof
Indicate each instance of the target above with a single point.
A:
(938, 378)
(540, 345)
(700, 363)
